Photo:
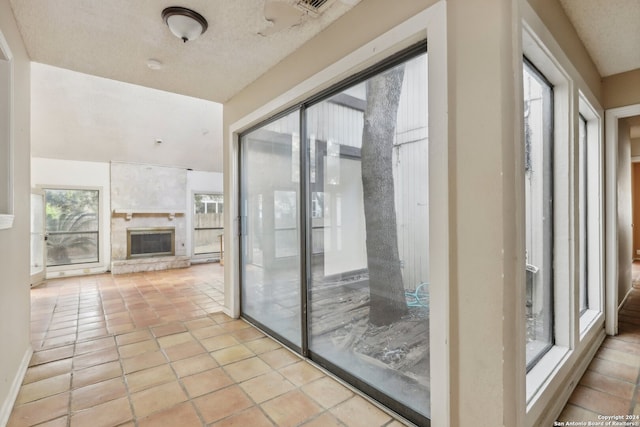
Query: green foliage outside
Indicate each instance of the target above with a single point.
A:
(69, 212)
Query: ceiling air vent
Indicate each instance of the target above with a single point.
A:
(313, 7)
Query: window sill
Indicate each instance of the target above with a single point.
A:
(544, 370)
(587, 320)
(6, 221)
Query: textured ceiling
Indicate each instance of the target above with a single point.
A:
(116, 38)
(610, 30)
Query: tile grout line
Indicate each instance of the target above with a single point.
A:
(179, 379)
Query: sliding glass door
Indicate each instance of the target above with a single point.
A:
(368, 296)
(271, 233)
(335, 239)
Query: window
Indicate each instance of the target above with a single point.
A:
(335, 242)
(6, 153)
(589, 204)
(564, 235)
(583, 204)
(539, 214)
(72, 226)
(208, 223)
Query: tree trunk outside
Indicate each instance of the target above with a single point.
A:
(388, 303)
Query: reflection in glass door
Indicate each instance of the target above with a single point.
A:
(271, 236)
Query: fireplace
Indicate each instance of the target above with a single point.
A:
(150, 242)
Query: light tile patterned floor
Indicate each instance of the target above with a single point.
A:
(611, 385)
(153, 349)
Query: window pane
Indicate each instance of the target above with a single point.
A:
(583, 211)
(208, 223)
(271, 239)
(369, 208)
(208, 203)
(72, 226)
(539, 214)
(207, 241)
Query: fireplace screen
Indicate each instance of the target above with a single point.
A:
(150, 242)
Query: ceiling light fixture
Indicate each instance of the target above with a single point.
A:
(184, 23)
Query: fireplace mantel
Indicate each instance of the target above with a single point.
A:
(129, 213)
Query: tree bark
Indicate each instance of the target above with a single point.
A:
(388, 303)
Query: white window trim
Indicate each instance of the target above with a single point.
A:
(612, 117)
(595, 262)
(6, 218)
(562, 194)
(429, 24)
(89, 267)
(191, 242)
(551, 381)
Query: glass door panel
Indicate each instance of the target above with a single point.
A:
(369, 237)
(38, 248)
(270, 248)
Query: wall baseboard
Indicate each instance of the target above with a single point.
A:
(7, 405)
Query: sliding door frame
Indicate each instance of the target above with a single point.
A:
(305, 226)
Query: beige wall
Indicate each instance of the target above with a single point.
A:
(621, 90)
(14, 242)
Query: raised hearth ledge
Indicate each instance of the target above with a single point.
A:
(149, 264)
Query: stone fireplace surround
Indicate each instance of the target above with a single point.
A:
(145, 196)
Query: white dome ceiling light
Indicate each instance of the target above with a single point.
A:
(184, 23)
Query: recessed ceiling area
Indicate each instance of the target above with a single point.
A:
(117, 38)
(610, 31)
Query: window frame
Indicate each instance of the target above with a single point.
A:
(583, 213)
(301, 163)
(429, 24)
(101, 231)
(204, 255)
(547, 64)
(7, 142)
(595, 211)
(550, 383)
(549, 231)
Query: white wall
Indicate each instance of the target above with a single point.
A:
(14, 242)
(72, 174)
(82, 117)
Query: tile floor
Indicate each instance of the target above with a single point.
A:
(611, 384)
(153, 349)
